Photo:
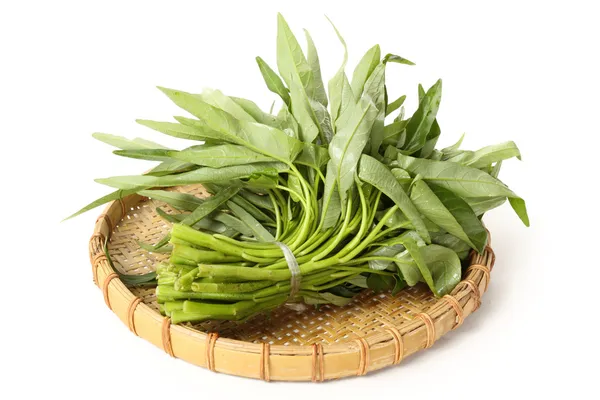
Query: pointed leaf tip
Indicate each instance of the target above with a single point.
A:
(167, 91)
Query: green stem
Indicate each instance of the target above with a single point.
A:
(342, 232)
(242, 287)
(277, 215)
(202, 256)
(250, 274)
(345, 256)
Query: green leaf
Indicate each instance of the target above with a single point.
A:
(210, 205)
(385, 251)
(400, 284)
(147, 279)
(224, 155)
(126, 144)
(381, 283)
(378, 175)
(360, 281)
(348, 100)
(331, 206)
(217, 99)
(496, 169)
(316, 298)
(323, 120)
(318, 89)
(363, 70)
(435, 265)
(252, 209)
(201, 175)
(415, 252)
(396, 59)
(145, 154)
(152, 249)
(403, 178)
(291, 62)
(454, 147)
(450, 241)
(294, 184)
(303, 113)
(392, 134)
(259, 115)
(233, 223)
(258, 231)
(339, 80)
(481, 205)
(261, 201)
(206, 223)
(487, 155)
(445, 268)
(435, 155)
(273, 81)
(181, 201)
(449, 212)
(313, 156)
(518, 205)
(353, 128)
(200, 132)
(408, 269)
(303, 77)
(288, 123)
(465, 216)
(116, 195)
(463, 181)
(421, 122)
(399, 221)
(430, 140)
(394, 105)
(263, 139)
(171, 167)
(172, 218)
(374, 91)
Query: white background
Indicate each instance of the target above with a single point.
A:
(524, 71)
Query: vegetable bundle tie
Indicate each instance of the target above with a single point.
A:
(337, 192)
(292, 263)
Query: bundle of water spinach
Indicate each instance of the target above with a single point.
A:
(337, 192)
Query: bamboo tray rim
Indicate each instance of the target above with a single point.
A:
(428, 326)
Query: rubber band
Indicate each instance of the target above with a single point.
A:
(265, 373)
(131, 313)
(211, 340)
(317, 358)
(292, 264)
(430, 326)
(166, 336)
(460, 315)
(107, 280)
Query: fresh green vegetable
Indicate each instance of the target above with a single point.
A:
(358, 202)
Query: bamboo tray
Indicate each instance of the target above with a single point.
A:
(372, 332)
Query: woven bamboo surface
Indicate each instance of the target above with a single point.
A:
(370, 333)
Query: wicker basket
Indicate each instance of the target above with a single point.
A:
(372, 332)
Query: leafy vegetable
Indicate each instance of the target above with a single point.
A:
(356, 202)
